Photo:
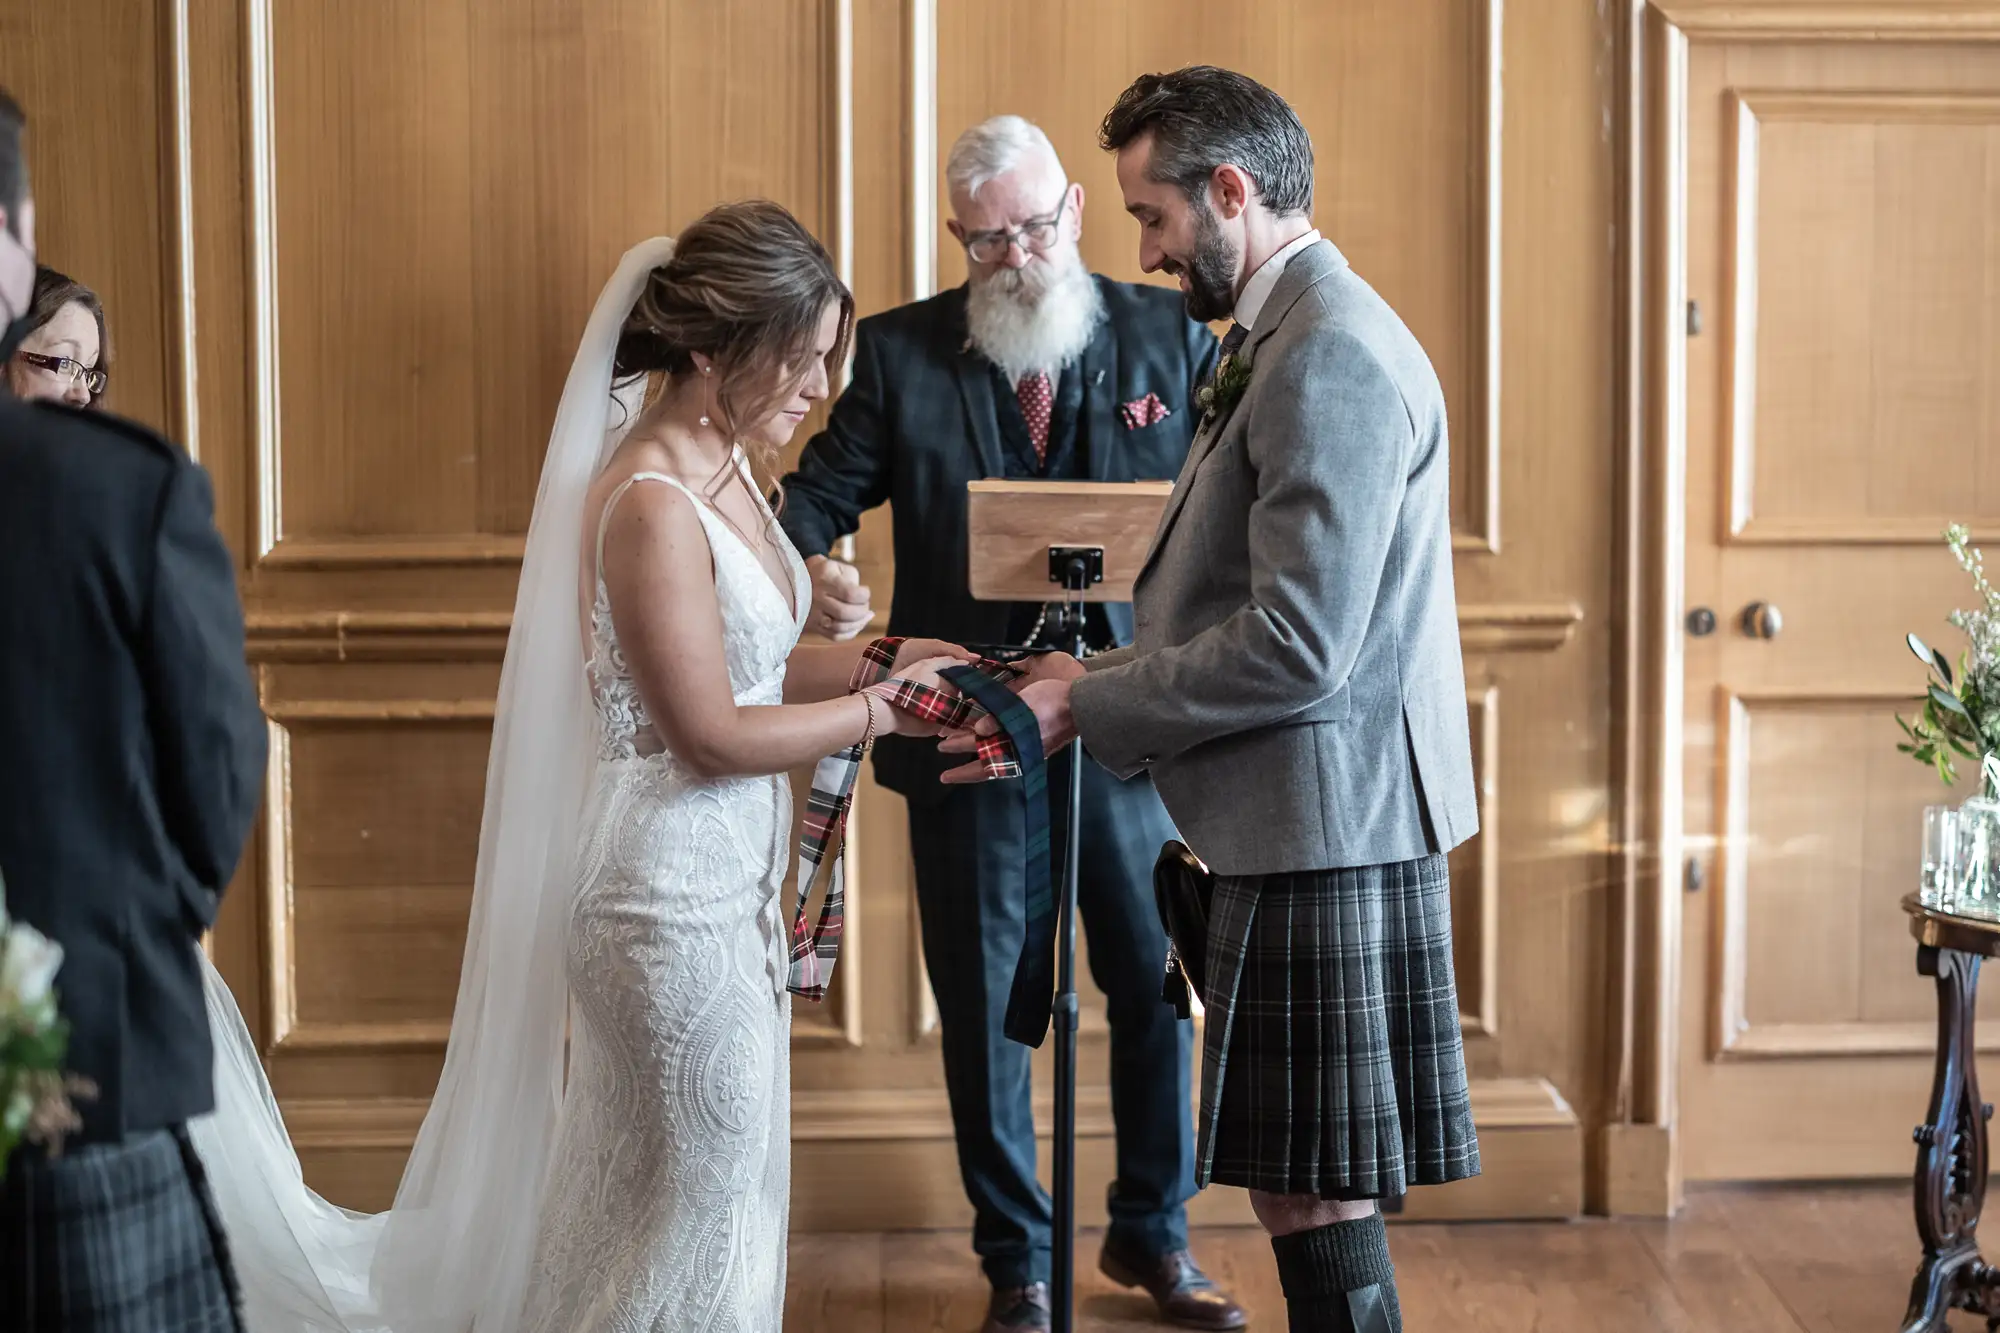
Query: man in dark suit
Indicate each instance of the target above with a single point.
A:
(134, 758)
(1034, 368)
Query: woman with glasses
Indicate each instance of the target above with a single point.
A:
(63, 357)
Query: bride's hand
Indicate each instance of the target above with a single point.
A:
(917, 650)
(924, 672)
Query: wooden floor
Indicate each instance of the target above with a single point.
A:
(1796, 1260)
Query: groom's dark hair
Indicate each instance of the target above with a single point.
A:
(1201, 117)
(13, 162)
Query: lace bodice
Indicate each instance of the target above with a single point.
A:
(758, 630)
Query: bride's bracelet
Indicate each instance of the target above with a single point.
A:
(873, 728)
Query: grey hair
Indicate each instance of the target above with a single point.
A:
(993, 148)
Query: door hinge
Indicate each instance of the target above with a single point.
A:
(1694, 319)
(1694, 875)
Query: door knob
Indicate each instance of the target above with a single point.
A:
(1701, 622)
(1761, 620)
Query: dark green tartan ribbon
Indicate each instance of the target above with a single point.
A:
(1033, 993)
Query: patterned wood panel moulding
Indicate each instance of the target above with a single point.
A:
(292, 636)
(1481, 530)
(280, 946)
(1480, 1005)
(1834, 20)
(1525, 627)
(267, 518)
(836, 1023)
(178, 237)
(316, 636)
(1732, 1035)
(1746, 114)
(272, 547)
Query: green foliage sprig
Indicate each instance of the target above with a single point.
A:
(1960, 716)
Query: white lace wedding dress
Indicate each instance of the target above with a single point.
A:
(669, 1185)
(608, 1149)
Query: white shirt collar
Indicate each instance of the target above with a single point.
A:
(1265, 280)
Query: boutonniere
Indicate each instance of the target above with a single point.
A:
(1231, 378)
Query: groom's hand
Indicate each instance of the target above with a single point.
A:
(840, 606)
(1047, 699)
(1050, 666)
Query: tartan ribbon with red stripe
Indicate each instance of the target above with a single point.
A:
(945, 706)
(815, 949)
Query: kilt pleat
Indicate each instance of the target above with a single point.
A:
(110, 1239)
(1332, 1063)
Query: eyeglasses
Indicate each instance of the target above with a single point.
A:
(1035, 238)
(65, 368)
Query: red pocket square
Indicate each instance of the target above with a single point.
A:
(1145, 411)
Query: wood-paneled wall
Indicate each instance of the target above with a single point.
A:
(348, 246)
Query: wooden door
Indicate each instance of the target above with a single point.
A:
(1842, 406)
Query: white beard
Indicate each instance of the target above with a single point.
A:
(1036, 318)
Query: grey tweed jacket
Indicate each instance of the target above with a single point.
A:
(1294, 684)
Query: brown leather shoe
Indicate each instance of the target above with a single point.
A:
(1186, 1296)
(1018, 1310)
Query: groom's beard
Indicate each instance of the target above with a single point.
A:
(1210, 270)
(1036, 318)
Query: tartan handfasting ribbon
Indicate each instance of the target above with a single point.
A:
(1032, 995)
(948, 708)
(814, 952)
(814, 949)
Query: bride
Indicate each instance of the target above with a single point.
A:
(630, 855)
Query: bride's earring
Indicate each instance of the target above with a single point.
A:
(705, 371)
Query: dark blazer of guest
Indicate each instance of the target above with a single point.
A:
(925, 413)
(132, 748)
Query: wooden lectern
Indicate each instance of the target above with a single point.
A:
(1062, 542)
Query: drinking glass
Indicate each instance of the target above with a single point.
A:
(1938, 887)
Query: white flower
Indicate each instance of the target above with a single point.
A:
(29, 961)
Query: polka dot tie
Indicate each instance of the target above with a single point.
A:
(1038, 403)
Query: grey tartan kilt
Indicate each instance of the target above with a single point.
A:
(1331, 1058)
(112, 1238)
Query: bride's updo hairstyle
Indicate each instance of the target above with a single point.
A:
(747, 287)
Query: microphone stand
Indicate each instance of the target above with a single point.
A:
(1075, 568)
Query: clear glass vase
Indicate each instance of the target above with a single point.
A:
(1975, 873)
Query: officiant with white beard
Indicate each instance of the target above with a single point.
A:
(1035, 368)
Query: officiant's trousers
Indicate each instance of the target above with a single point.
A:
(970, 859)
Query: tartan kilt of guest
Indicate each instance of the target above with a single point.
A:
(113, 1238)
(1332, 1063)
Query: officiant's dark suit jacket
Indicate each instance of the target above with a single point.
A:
(925, 413)
(131, 745)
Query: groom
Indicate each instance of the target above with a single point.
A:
(1295, 690)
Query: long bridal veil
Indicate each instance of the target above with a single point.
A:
(453, 1252)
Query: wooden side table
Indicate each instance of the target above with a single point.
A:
(1951, 1144)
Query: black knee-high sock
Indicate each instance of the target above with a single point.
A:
(1338, 1278)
